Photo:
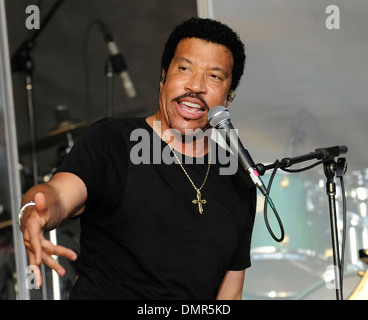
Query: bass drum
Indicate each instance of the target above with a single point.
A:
(281, 275)
(283, 270)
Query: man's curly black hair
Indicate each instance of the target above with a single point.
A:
(212, 31)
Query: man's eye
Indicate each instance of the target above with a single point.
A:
(215, 76)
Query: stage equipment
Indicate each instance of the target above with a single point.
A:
(331, 168)
(115, 64)
(219, 118)
(22, 61)
(280, 270)
(11, 193)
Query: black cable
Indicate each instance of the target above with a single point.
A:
(302, 169)
(269, 201)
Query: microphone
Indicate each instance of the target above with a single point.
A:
(118, 62)
(219, 118)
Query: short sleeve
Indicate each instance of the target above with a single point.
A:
(93, 159)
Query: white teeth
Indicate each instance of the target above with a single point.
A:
(192, 105)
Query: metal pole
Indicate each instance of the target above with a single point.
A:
(32, 124)
(331, 192)
(12, 156)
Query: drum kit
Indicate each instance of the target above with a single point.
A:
(299, 267)
(62, 138)
(63, 135)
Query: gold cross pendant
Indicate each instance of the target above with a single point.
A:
(199, 201)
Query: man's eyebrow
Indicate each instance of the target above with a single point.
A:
(186, 60)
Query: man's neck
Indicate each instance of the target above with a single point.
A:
(192, 144)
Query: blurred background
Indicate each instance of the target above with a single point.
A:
(304, 87)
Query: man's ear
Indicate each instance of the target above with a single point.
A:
(163, 77)
(230, 97)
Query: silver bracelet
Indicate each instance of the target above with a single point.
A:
(20, 214)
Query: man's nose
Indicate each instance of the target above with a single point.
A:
(196, 83)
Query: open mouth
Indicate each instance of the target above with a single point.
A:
(191, 107)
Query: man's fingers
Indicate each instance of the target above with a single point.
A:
(31, 256)
(51, 263)
(47, 257)
(41, 250)
(33, 266)
(32, 240)
(51, 250)
(57, 250)
(32, 227)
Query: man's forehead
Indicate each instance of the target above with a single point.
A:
(217, 55)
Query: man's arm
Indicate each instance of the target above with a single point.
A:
(62, 197)
(232, 286)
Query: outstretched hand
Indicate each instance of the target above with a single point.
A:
(39, 249)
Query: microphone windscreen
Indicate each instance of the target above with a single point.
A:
(217, 115)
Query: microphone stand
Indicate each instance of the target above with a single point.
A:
(22, 60)
(109, 71)
(326, 155)
(329, 169)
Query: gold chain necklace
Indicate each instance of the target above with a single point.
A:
(199, 201)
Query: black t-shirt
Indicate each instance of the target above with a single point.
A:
(141, 235)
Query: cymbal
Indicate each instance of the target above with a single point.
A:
(59, 134)
(77, 128)
(56, 136)
(63, 127)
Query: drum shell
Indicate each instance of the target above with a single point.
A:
(303, 230)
